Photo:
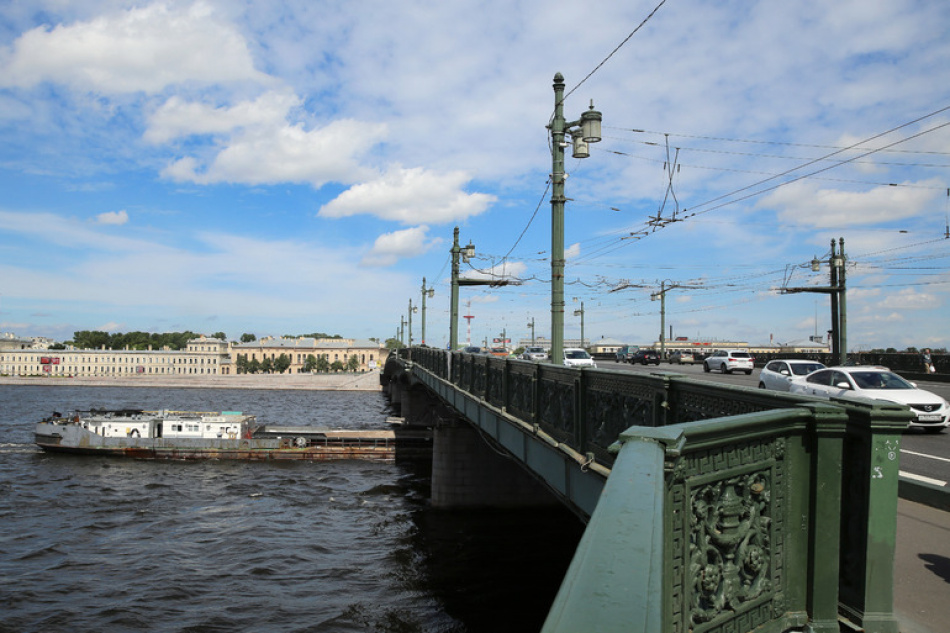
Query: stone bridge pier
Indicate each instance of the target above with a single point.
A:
(468, 469)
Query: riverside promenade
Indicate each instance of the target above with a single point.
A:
(367, 381)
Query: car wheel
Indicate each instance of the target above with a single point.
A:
(762, 385)
(706, 367)
(748, 372)
(725, 369)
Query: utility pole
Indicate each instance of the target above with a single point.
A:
(662, 296)
(429, 292)
(580, 313)
(588, 132)
(837, 288)
(466, 253)
(531, 325)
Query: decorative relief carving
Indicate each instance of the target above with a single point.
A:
(730, 545)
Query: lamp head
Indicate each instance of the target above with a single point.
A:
(590, 124)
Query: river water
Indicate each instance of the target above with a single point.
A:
(116, 545)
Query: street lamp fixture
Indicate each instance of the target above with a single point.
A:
(583, 131)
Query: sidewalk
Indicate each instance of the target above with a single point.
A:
(922, 568)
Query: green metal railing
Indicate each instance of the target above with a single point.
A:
(726, 508)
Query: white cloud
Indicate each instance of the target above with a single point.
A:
(117, 218)
(281, 152)
(808, 204)
(391, 247)
(178, 118)
(910, 299)
(141, 49)
(411, 196)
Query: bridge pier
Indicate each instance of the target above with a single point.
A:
(467, 470)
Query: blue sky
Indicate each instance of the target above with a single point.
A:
(292, 168)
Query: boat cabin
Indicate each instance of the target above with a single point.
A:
(227, 425)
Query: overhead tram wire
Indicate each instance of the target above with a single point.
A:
(825, 157)
(761, 142)
(772, 174)
(613, 52)
(619, 245)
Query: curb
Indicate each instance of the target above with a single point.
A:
(927, 494)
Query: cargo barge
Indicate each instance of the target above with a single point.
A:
(188, 435)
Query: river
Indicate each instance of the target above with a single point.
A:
(115, 545)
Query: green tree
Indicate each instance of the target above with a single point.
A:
(248, 338)
(220, 335)
(282, 363)
(353, 364)
(323, 363)
(267, 365)
(394, 343)
(336, 366)
(310, 363)
(254, 366)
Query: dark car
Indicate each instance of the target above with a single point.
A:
(625, 353)
(645, 357)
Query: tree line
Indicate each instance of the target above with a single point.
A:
(94, 339)
(282, 363)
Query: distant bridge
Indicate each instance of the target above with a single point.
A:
(709, 508)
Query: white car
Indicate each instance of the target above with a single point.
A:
(728, 361)
(877, 383)
(778, 374)
(576, 357)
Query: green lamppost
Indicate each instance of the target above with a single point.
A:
(411, 310)
(425, 292)
(465, 253)
(583, 131)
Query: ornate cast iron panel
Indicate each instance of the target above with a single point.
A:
(697, 402)
(557, 399)
(521, 382)
(495, 377)
(613, 405)
(727, 544)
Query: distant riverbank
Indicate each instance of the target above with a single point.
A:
(368, 381)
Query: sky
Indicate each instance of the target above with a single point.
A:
(299, 167)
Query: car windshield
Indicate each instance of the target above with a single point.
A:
(739, 354)
(801, 369)
(576, 353)
(879, 380)
(535, 350)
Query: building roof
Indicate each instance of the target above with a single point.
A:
(309, 343)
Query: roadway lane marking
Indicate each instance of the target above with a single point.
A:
(927, 480)
(942, 459)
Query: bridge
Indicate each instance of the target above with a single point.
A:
(709, 508)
